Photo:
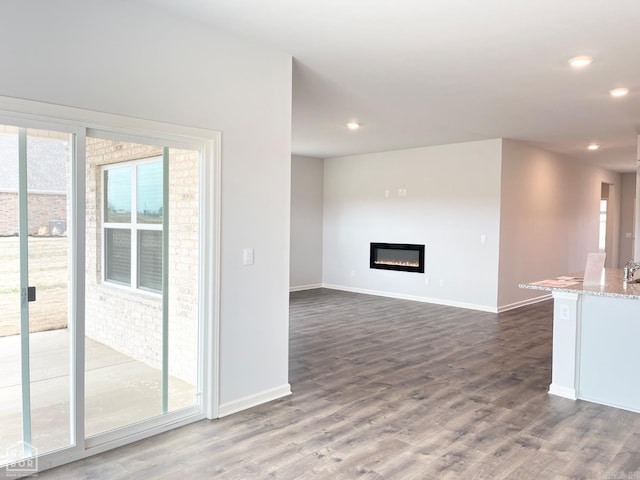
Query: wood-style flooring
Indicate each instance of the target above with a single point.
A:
(394, 389)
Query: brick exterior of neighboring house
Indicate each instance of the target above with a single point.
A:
(46, 182)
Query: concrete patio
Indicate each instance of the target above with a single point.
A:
(119, 390)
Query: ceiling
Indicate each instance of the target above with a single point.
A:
(429, 72)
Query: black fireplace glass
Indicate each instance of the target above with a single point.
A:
(404, 257)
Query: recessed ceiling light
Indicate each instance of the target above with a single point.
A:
(579, 62)
(619, 92)
(353, 125)
(593, 146)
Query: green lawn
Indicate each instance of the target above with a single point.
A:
(47, 272)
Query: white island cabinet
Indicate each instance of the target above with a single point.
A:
(596, 341)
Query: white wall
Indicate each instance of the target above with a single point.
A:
(453, 197)
(115, 57)
(627, 212)
(306, 222)
(549, 217)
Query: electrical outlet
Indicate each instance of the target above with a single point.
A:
(426, 280)
(442, 282)
(564, 312)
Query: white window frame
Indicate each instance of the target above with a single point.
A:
(132, 226)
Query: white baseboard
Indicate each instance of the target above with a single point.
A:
(254, 400)
(305, 287)
(524, 303)
(415, 298)
(606, 402)
(561, 391)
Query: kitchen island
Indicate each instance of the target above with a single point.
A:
(596, 339)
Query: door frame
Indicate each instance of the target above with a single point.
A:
(31, 114)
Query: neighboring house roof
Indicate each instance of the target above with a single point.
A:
(46, 165)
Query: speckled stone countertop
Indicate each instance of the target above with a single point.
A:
(613, 286)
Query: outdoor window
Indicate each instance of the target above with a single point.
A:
(133, 197)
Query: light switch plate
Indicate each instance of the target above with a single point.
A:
(247, 256)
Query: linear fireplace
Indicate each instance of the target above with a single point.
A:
(397, 256)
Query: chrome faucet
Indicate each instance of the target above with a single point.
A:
(630, 269)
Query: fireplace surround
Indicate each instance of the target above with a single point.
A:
(404, 257)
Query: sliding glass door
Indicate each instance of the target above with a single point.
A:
(35, 294)
(102, 274)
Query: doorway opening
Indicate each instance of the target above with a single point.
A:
(606, 232)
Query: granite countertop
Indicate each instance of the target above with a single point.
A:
(613, 286)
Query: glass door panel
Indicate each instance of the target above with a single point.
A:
(141, 344)
(35, 386)
(48, 193)
(183, 281)
(11, 432)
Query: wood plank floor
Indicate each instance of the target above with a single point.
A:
(393, 389)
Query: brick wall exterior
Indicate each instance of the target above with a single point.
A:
(44, 208)
(130, 321)
(8, 213)
(48, 204)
